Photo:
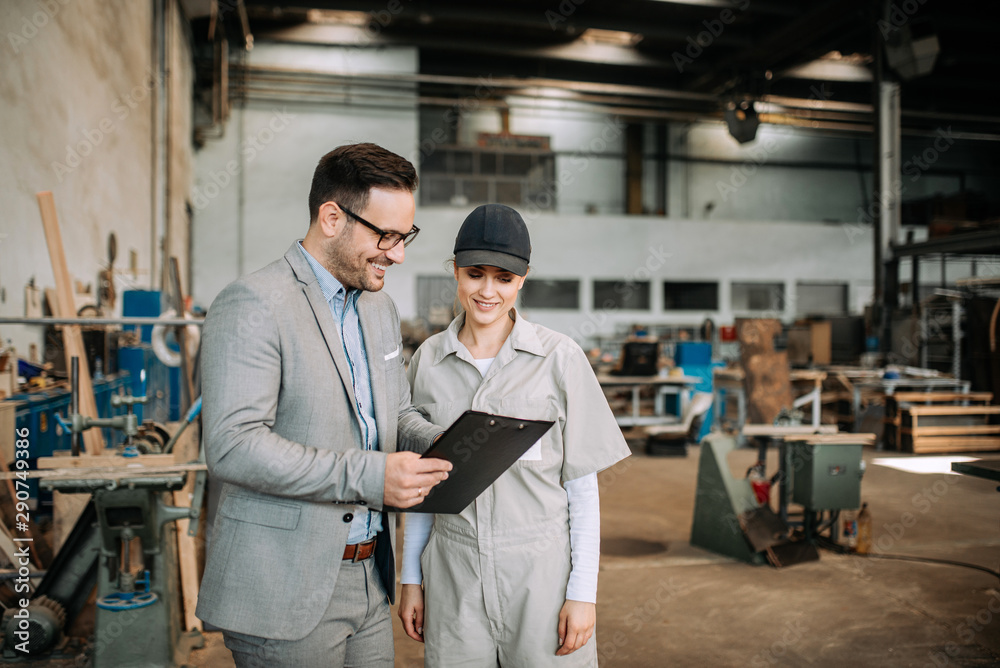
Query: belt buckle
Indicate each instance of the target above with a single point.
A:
(357, 552)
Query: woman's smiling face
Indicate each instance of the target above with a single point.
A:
(487, 293)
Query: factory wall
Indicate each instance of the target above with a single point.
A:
(77, 80)
(252, 185)
(627, 249)
(789, 207)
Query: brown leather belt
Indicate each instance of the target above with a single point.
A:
(359, 552)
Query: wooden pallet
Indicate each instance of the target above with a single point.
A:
(896, 403)
(949, 428)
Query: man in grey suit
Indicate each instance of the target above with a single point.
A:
(310, 430)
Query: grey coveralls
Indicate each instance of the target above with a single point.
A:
(495, 575)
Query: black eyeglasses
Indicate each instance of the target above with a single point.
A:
(386, 240)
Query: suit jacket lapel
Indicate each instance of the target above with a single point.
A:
(327, 327)
(375, 347)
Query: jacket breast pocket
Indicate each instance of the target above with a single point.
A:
(258, 511)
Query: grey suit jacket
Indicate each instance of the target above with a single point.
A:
(282, 436)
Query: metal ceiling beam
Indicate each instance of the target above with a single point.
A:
(789, 39)
(985, 242)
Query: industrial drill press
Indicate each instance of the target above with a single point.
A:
(138, 615)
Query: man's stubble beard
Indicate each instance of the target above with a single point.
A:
(350, 269)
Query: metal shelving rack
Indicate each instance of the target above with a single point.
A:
(969, 246)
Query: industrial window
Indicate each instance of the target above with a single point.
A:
(820, 299)
(544, 293)
(690, 296)
(622, 294)
(752, 296)
(464, 176)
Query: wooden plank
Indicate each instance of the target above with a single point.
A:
(110, 473)
(104, 461)
(72, 338)
(958, 430)
(821, 342)
(41, 553)
(9, 549)
(930, 444)
(787, 430)
(187, 556)
(953, 410)
(8, 423)
(836, 439)
(920, 397)
(66, 510)
(186, 449)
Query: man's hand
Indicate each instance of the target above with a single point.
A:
(409, 478)
(411, 611)
(576, 625)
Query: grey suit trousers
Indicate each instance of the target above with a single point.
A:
(355, 630)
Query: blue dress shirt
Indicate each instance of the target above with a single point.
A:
(344, 307)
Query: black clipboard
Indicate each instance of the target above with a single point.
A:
(480, 447)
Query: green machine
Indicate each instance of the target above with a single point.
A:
(825, 475)
(818, 472)
(720, 501)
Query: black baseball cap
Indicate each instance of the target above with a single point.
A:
(494, 235)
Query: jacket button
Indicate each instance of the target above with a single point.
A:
(348, 517)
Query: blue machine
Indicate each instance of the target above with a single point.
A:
(37, 411)
(41, 411)
(162, 383)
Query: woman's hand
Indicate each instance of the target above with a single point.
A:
(576, 625)
(411, 611)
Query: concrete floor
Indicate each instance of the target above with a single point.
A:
(663, 602)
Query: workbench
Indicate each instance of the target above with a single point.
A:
(663, 385)
(888, 386)
(988, 469)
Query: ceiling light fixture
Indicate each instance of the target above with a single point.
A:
(337, 17)
(742, 120)
(616, 37)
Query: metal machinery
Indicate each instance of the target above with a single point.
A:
(720, 500)
(138, 616)
(825, 476)
(819, 472)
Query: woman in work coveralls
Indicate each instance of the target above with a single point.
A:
(512, 580)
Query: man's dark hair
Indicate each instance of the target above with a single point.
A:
(347, 173)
